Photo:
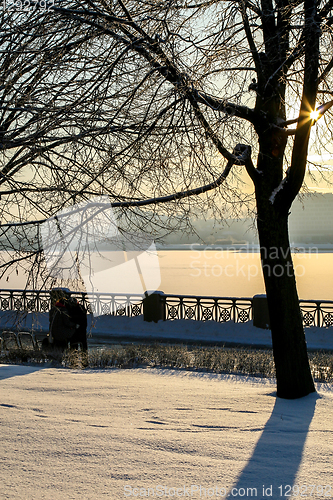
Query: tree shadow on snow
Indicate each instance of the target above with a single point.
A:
(7, 371)
(278, 453)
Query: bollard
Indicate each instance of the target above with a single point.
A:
(260, 312)
(154, 307)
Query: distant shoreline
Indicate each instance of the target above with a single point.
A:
(242, 247)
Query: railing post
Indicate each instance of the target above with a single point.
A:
(153, 307)
(318, 314)
(163, 300)
(260, 312)
(199, 308)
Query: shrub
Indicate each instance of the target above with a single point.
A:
(245, 361)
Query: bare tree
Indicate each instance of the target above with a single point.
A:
(147, 101)
(38, 127)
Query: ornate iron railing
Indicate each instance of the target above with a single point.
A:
(107, 303)
(317, 312)
(220, 309)
(98, 303)
(25, 300)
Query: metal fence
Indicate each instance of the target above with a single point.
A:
(317, 312)
(220, 309)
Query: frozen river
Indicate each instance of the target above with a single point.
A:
(232, 273)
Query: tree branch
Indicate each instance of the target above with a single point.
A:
(249, 37)
(241, 155)
(326, 71)
(286, 192)
(218, 104)
(166, 68)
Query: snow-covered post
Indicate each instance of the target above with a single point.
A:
(260, 312)
(154, 307)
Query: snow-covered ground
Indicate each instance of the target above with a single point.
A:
(104, 329)
(187, 330)
(148, 433)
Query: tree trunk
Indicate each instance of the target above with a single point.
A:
(294, 379)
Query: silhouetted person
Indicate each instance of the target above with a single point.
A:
(68, 325)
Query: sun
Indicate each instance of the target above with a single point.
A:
(314, 115)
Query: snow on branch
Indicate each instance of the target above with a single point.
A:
(276, 190)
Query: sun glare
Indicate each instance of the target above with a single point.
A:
(314, 115)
